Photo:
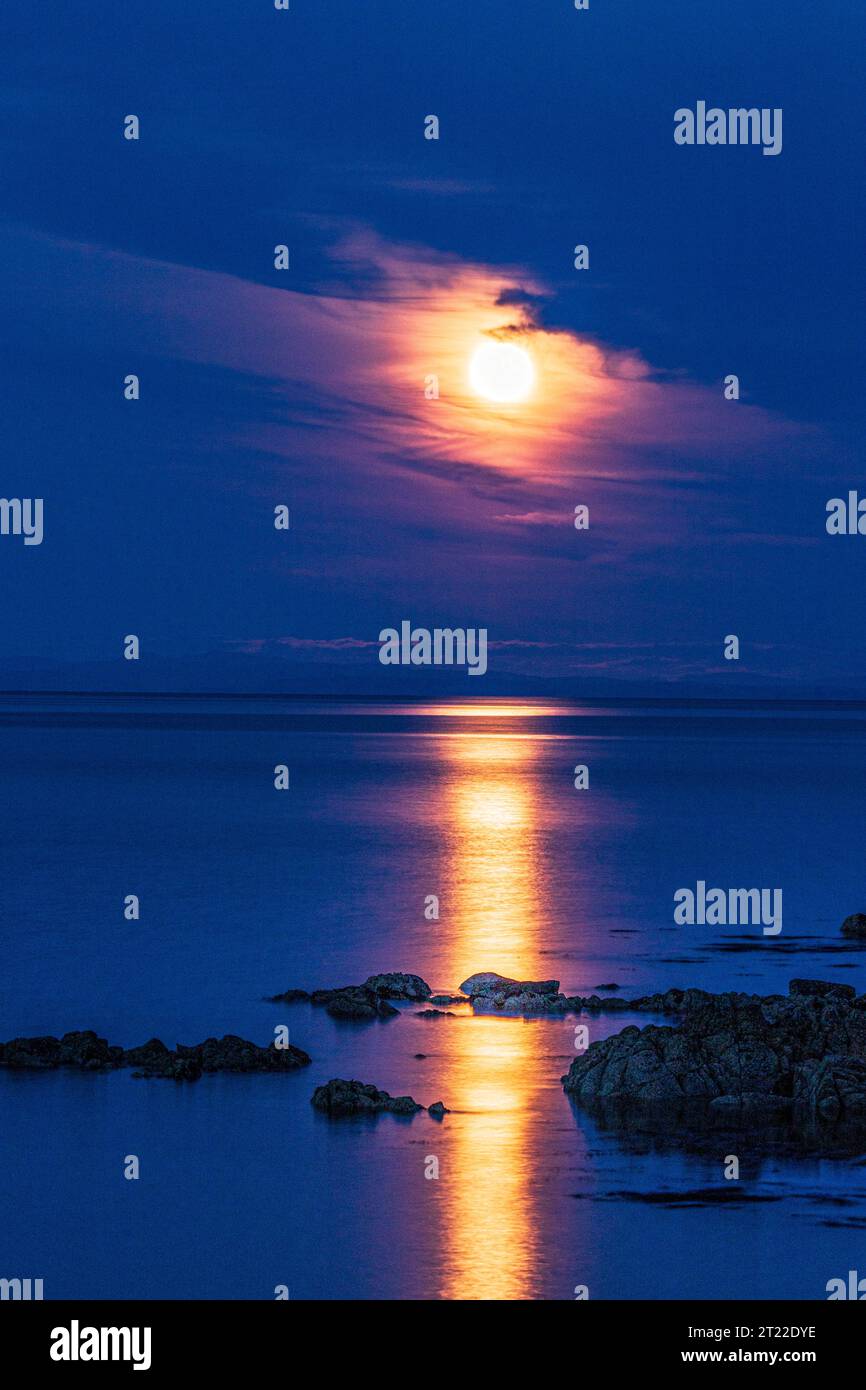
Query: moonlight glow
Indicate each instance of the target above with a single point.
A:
(501, 372)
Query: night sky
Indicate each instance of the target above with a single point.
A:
(306, 386)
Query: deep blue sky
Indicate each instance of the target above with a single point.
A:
(305, 127)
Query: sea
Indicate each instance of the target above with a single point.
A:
(439, 838)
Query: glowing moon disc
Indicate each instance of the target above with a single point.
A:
(501, 372)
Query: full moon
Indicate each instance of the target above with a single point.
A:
(501, 372)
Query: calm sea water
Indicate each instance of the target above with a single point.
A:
(246, 891)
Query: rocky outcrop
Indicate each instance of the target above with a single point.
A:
(87, 1052)
(338, 1097)
(855, 925)
(488, 991)
(83, 1050)
(362, 1002)
(487, 984)
(802, 1056)
(395, 985)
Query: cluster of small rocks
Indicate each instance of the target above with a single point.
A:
(365, 1001)
(88, 1052)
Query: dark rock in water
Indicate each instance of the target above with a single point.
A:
(83, 1050)
(91, 1053)
(855, 925)
(420, 1056)
(338, 1097)
(594, 1005)
(434, 1013)
(821, 989)
(447, 999)
(289, 996)
(363, 1002)
(395, 985)
(171, 1067)
(612, 986)
(438, 1109)
(672, 1001)
(355, 1002)
(234, 1054)
(149, 1054)
(798, 1060)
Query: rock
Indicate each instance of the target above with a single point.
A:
(149, 1054)
(338, 1097)
(91, 1053)
(488, 983)
(673, 1001)
(438, 1109)
(354, 1002)
(395, 985)
(804, 1053)
(289, 996)
(612, 986)
(447, 999)
(490, 991)
(751, 1100)
(83, 1050)
(855, 925)
(434, 1013)
(526, 1001)
(821, 989)
(234, 1054)
(171, 1068)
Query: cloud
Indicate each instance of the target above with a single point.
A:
(346, 361)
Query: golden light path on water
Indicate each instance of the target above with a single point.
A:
(493, 891)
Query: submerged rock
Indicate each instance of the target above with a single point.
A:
(434, 1013)
(339, 1097)
(800, 1058)
(289, 996)
(438, 1109)
(88, 1052)
(855, 925)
